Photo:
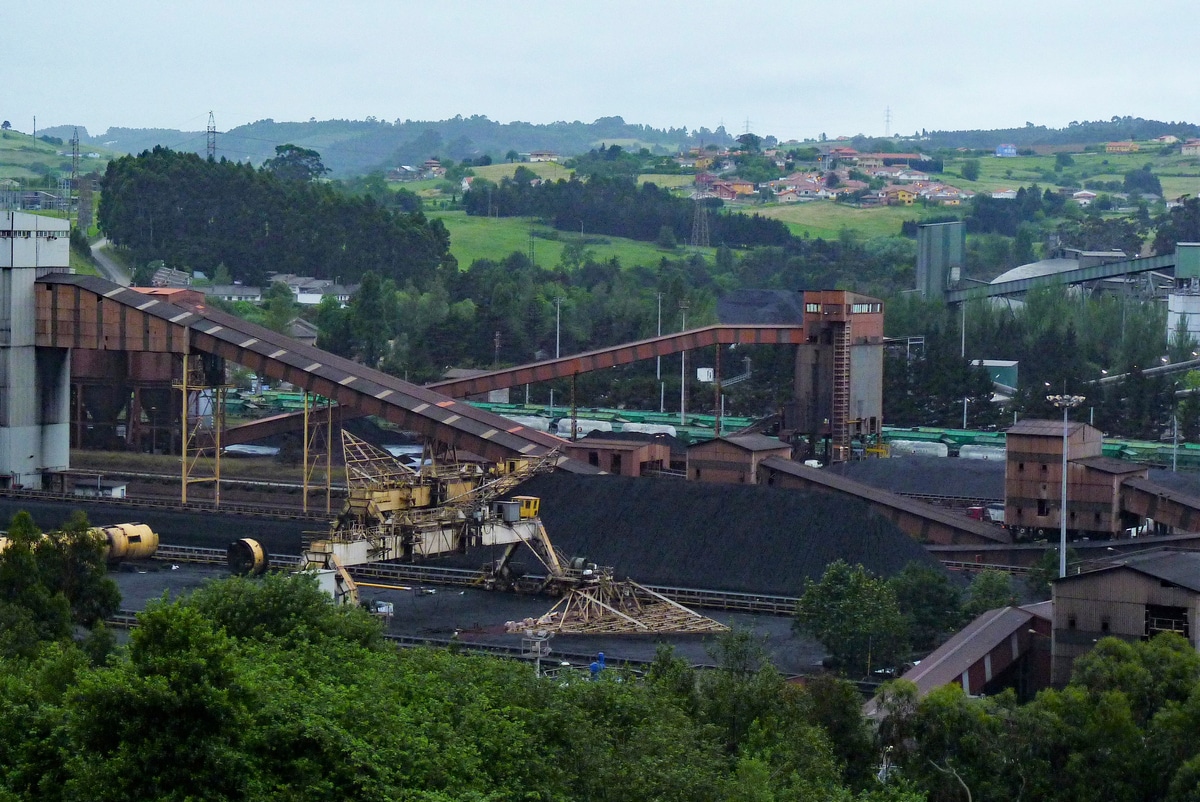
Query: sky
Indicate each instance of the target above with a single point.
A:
(789, 68)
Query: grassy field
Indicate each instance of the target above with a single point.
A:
(474, 238)
(1179, 174)
(825, 219)
(83, 267)
(667, 181)
(19, 153)
(551, 171)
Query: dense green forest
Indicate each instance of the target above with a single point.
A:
(198, 214)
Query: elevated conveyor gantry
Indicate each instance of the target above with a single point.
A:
(88, 312)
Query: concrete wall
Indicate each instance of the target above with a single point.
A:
(34, 382)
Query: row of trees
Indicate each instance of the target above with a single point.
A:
(1123, 729)
(199, 214)
(1060, 340)
(618, 206)
(871, 624)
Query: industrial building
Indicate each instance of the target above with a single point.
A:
(1134, 598)
(34, 377)
(734, 458)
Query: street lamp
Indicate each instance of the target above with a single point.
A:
(1066, 403)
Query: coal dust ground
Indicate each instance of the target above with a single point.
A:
(479, 618)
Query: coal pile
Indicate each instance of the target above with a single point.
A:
(718, 537)
(928, 476)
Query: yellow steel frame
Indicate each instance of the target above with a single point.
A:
(318, 444)
(197, 437)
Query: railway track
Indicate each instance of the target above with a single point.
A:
(464, 577)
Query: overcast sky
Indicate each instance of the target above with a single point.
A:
(792, 68)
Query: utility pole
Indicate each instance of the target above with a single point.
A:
(683, 307)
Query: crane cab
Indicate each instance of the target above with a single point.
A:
(529, 506)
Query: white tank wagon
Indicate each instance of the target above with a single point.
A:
(649, 428)
(982, 452)
(920, 448)
(132, 541)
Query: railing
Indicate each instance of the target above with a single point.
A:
(264, 510)
(466, 577)
(958, 565)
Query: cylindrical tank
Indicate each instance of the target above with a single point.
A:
(247, 557)
(128, 541)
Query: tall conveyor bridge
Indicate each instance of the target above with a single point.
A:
(664, 345)
(1079, 275)
(88, 313)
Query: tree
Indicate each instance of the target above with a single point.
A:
(512, 156)
(280, 306)
(930, 604)
(294, 163)
(855, 617)
(1143, 182)
(750, 142)
(989, 590)
(970, 169)
(666, 239)
(5, 125)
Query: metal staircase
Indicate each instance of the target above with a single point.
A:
(840, 418)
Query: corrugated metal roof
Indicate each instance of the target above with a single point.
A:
(1110, 465)
(919, 508)
(1043, 428)
(968, 646)
(1179, 567)
(1181, 498)
(754, 442)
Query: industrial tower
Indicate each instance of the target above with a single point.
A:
(35, 381)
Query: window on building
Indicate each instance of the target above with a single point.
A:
(1104, 626)
(1070, 622)
(1043, 507)
(1166, 618)
(1020, 467)
(812, 307)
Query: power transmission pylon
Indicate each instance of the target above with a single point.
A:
(212, 137)
(74, 186)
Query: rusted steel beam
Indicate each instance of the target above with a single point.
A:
(624, 354)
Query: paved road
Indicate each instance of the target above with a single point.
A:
(109, 268)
